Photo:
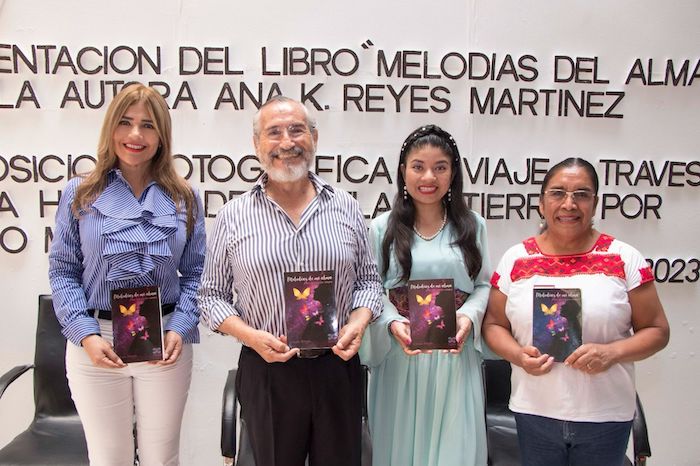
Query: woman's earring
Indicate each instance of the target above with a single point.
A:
(405, 193)
(449, 195)
(543, 225)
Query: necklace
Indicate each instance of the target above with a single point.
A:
(430, 238)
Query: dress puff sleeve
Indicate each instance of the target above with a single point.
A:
(377, 341)
(475, 305)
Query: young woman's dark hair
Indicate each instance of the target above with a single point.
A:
(567, 163)
(399, 233)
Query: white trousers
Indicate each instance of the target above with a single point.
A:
(108, 401)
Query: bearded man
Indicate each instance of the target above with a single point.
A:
(296, 403)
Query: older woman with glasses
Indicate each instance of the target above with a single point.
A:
(572, 309)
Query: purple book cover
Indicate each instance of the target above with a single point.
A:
(556, 321)
(432, 313)
(310, 312)
(137, 324)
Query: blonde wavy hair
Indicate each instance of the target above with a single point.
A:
(162, 170)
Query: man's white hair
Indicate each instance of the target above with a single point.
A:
(310, 120)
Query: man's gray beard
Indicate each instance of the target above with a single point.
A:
(288, 174)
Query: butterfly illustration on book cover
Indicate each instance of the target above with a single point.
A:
(556, 321)
(432, 315)
(136, 328)
(310, 312)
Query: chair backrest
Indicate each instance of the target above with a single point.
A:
(51, 393)
(497, 381)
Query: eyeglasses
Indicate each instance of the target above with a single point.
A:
(559, 195)
(293, 131)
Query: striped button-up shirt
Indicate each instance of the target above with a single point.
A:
(254, 243)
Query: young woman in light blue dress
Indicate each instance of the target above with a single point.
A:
(426, 408)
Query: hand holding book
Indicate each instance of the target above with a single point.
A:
(402, 333)
(172, 349)
(592, 358)
(464, 328)
(350, 336)
(101, 353)
(533, 361)
(268, 346)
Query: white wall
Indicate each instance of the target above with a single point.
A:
(659, 126)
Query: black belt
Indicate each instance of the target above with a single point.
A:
(303, 353)
(107, 315)
(313, 353)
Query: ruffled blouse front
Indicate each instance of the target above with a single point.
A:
(135, 235)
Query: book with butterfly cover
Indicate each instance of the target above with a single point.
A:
(432, 314)
(556, 321)
(137, 323)
(310, 311)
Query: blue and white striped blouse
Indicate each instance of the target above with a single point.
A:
(255, 242)
(124, 242)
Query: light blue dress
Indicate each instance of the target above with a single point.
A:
(428, 409)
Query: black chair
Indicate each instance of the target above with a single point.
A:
(244, 456)
(229, 422)
(501, 433)
(55, 436)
